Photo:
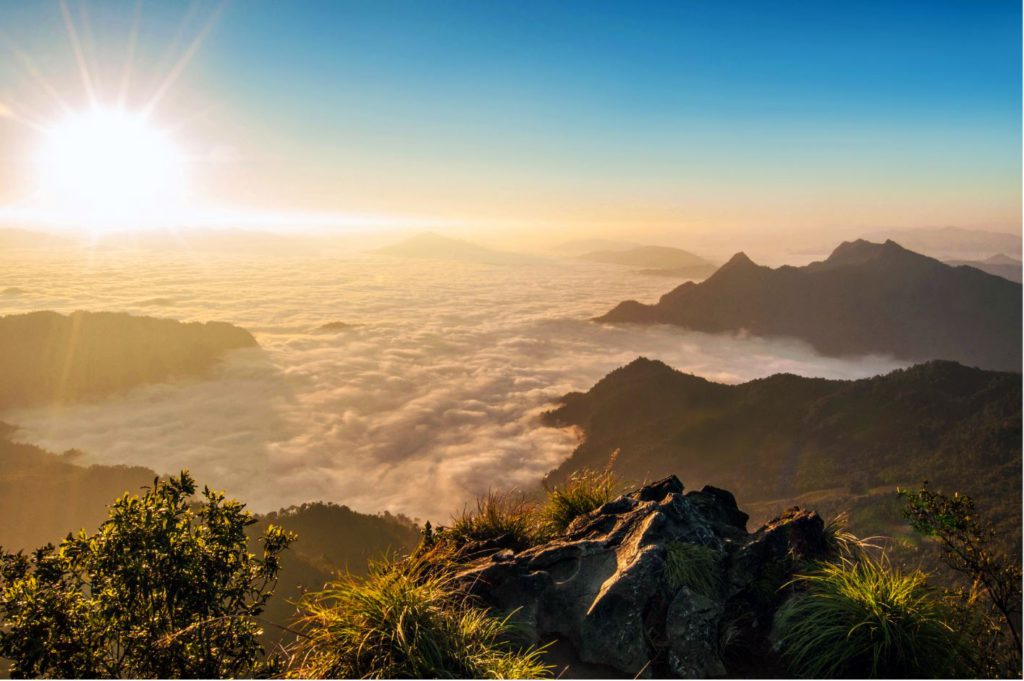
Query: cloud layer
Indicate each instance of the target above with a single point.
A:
(429, 400)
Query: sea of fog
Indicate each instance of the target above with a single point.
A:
(431, 398)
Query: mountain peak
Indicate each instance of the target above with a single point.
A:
(861, 250)
(739, 260)
(1001, 259)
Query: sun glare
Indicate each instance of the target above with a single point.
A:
(110, 169)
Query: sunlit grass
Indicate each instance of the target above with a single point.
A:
(584, 492)
(693, 566)
(507, 516)
(865, 618)
(405, 621)
(841, 542)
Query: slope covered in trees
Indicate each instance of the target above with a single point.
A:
(46, 357)
(836, 444)
(331, 540)
(43, 495)
(866, 298)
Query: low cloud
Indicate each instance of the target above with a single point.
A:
(432, 399)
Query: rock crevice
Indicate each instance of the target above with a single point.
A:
(606, 586)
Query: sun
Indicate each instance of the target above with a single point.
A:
(111, 169)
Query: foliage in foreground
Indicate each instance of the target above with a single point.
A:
(991, 600)
(693, 566)
(585, 491)
(164, 589)
(866, 619)
(404, 621)
(498, 516)
(516, 522)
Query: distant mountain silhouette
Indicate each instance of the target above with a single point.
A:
(335, 327)
(655, 260)
(866, 298)
(1001, 259)
(787, 439)
(1000, 265)
(431, 246)
(578, 247)
(46, 357)
(954, 243)
(44, 496)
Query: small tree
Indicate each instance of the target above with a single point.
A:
(967, 543)
(166, 588)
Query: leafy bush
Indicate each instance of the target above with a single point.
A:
(866, 619)
(991, 603)
(165, 589)
(692, 566)
(585, 491)
(498, 515)
(404, 621)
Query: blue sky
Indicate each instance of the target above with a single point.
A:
(697, 114)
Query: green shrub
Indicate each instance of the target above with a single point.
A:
(585, 491)
(866, 619)
(990, 593)
(497, 515)
(693, 566)
(404, 621)
(167, 588)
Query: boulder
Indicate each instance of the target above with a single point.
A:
(606, 588)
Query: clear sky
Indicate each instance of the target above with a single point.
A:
(588, 116)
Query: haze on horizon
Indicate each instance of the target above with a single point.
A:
(528, 121)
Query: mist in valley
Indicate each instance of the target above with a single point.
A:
(381, 382)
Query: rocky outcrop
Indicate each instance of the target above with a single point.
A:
(655, 583)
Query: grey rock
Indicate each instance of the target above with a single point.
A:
(603, 589)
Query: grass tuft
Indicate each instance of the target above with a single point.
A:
(585, 491)
(867, 619)
(402, 621)
(498, 515)
(693, 566)
(843, 543)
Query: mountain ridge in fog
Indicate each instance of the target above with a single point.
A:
(776, 440)
(432, 246)
(953, 243)
(655, 260)
(50, 358)
(865, 298)
(1000, 265)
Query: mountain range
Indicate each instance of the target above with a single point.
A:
(1000, 265)
(865, 298)
(952, 243)
(822, 443)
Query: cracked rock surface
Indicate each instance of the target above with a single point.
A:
(604, 594)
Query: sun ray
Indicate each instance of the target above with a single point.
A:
(76, 47)
(10, 110)
(33, 72)
(184, 60)
(89, 47)
(129, 59)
